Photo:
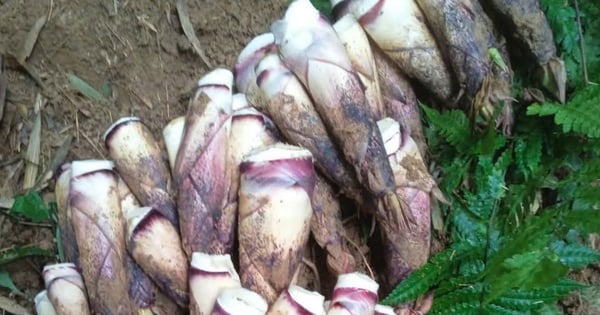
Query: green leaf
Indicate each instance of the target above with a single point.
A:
(529, 270)
(520, 299)
(575, 256)
(453, 125)
(493, 309)
(466, 293)
(580, 114)
(85, 88)
(431, 273)
(16, 253)
(587, 221)
(548, 309)
(534, 234)
(6, 282)
(31, 206)
(528, 153)
(324, 6)
(453, 175)
(467, 308)
(106, 89)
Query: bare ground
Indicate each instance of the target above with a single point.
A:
(141, 52)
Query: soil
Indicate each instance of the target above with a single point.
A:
(142, 54)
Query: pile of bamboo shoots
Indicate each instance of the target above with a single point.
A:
(216, 216)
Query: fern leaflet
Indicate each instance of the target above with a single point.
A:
(430, 274)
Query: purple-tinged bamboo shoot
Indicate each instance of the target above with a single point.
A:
(155, 245)
(65, 289)
(100, 232)
(209, 276)
(251, 54)
(399, 99)
(455, 26)
(239, 101)
(409, 250)
(144, 293)
(384, 310)
(240, 301)
(293, 111)
(250, 130)
(200, 168)
(357, 46)
(296, 300)
(328, 229)
(354, 294)
(140, 162)
(399, 29)
(311, 49)
(172, 134)
(43, 306)
(61, 190)
(276, 187)
(524, 21)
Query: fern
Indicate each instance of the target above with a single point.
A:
(467, 293)
(587, 221)
(579, 115)
(528, 154)
(494, 309)
(520, 206)
(575, 256)
(561, 16)
(453, 126)
(430, 274)
(519, 299)
(465, 308)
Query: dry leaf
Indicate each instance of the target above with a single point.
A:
(3, 86)
(33, 147)
(31, 39)
(12, 307)
(188, 30)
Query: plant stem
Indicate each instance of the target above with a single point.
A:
(586, 81)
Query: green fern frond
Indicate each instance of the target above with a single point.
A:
(466, 308)
(467, 226)
(561, 17)
(528, 154)
(586, 197)
(471, 268)
(575, 256)
(520, 199)
(455, 283)
(529, 270)
(524, 260)
(454, 173)
(548, 309)
(592, 146)
(586, 221)
(519, 299)
(431, 273)
(580, 114)
(490, 185)
(454, 126)
(494, 309)
(534, 234)
(468, 293)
